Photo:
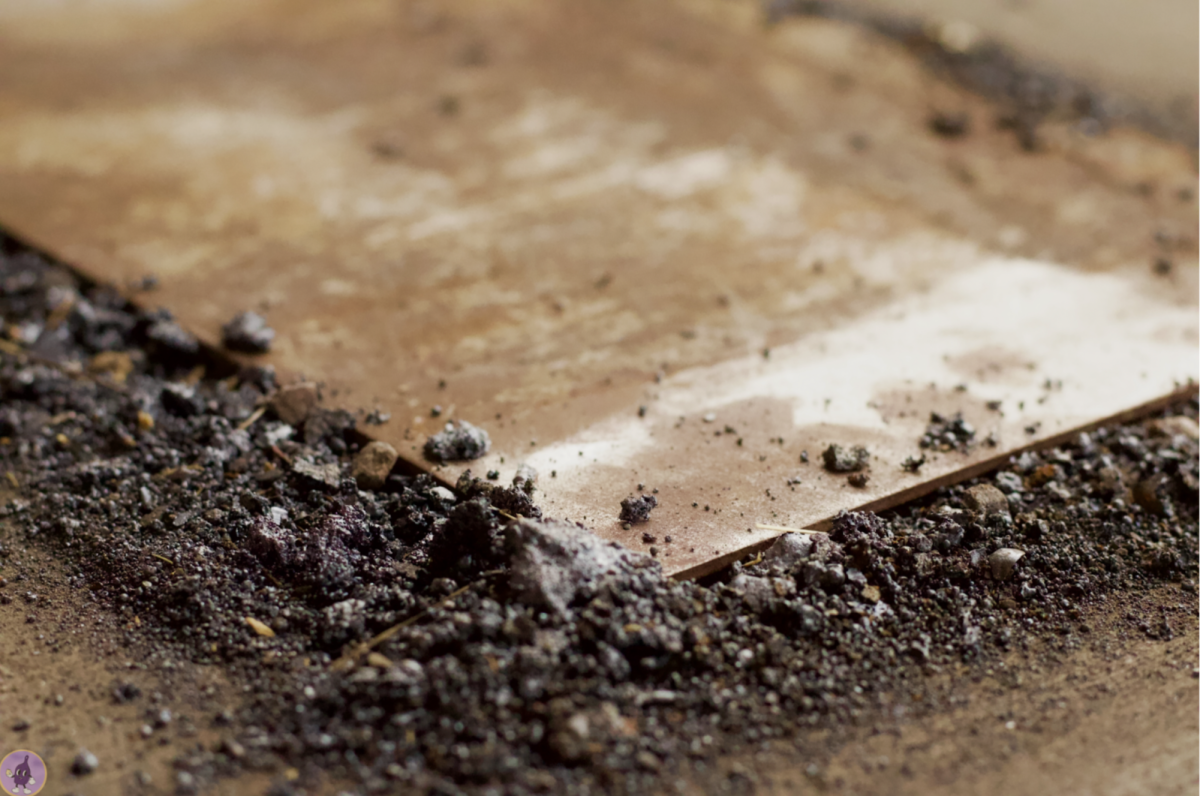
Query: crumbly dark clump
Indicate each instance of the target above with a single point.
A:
(457, 442)
(515, 500)
(845, 460)
(165, 337)
(524, 655)
(637, 508)
(248, 332)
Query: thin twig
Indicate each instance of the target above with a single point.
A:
(245, 424)
(783, 529)
(349, 658)
(286, 459)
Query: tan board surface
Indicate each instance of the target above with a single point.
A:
(565, 211)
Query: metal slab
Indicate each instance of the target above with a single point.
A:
(546, 207)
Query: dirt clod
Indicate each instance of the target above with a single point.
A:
(637, 508)
(555, 564)
(458, 441)
(247, 332)
(845, 460)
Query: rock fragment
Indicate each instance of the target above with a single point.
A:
(786, 553)
(1004, 561)
(986, 499)
(553, 564)
(443, 494)
(327, 475)
(526, 477)
(1147, 493)
(377, 418)
(569, 737)
(1009, 483)
(373, 464)
(1171, 426)
(125, 692)
(293, 403)
(260, 627)
(574, 735)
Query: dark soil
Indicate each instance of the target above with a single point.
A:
(420, 640)
(1027, 93)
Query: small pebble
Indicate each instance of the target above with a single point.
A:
(373, 464)
(84, 763)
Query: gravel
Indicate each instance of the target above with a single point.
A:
(470, 645)
(948, 433)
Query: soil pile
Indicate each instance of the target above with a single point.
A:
(410, 635)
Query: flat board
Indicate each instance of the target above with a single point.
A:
(543, 216)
